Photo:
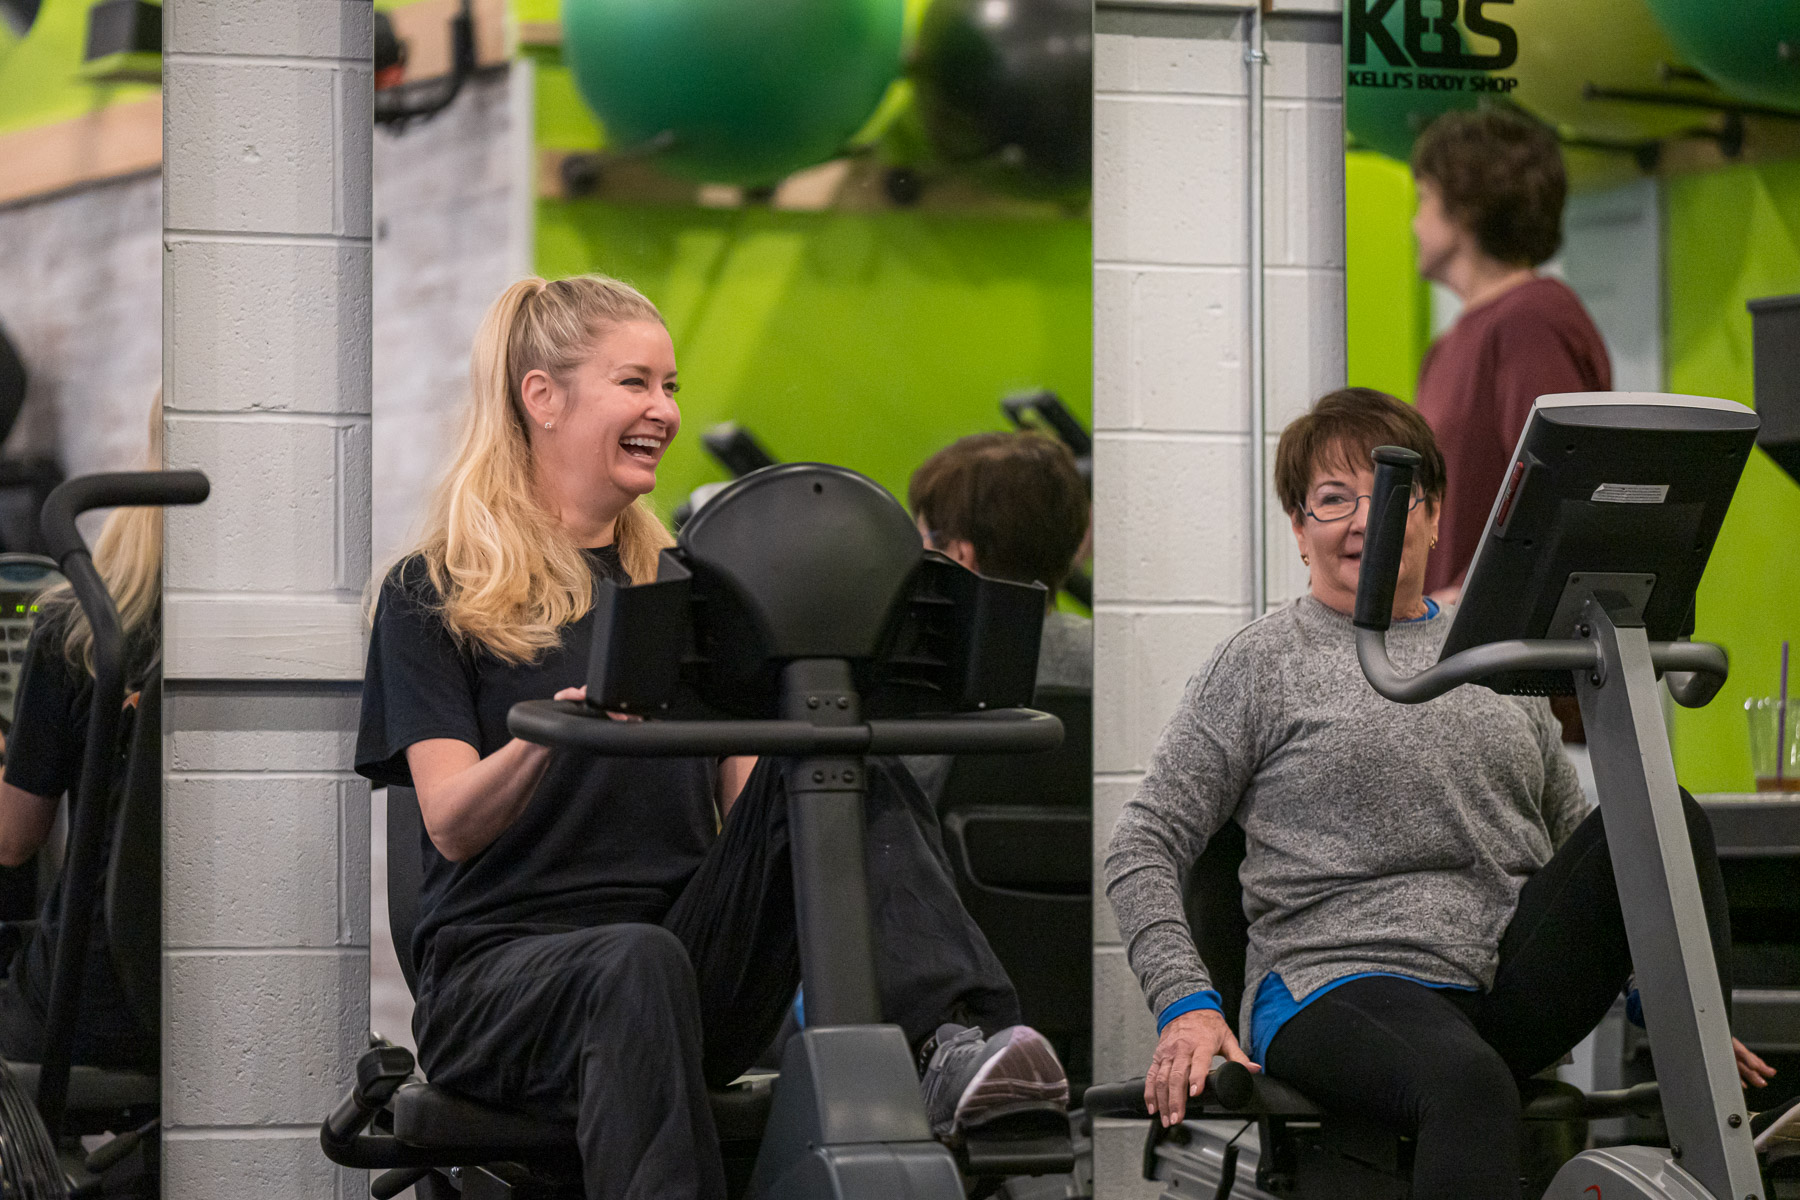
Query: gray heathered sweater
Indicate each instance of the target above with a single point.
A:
(1382, 836)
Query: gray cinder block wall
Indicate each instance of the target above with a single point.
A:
(266, 347)
(81, 300)
(1172, 388)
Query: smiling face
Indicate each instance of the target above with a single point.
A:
(1334, 549)
(610, 420)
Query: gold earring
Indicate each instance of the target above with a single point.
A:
(1433, 545)
(1305, 561)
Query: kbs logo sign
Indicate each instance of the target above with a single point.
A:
(1430, 38)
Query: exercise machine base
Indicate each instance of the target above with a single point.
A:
(871, 1138)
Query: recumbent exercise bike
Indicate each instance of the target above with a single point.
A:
(798, 615)
(1582, 584)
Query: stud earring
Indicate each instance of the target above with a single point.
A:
(1305, 561)
(1433, 545)
(549, 425)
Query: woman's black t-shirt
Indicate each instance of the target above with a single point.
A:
(601, 840)
(44, 757)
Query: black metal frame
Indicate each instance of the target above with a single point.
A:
(88, 828)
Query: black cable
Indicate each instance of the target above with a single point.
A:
(1228, 1160)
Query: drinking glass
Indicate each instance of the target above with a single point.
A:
(1775, 743)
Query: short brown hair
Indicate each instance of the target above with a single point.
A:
(1501, 177)
(1017, 498)
(1341, 430)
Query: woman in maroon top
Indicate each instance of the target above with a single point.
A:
(1491, 190)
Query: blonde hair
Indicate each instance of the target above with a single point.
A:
(128, 555)
(508, 576)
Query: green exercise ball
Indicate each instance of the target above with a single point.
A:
(732, 91)
(1750, 48)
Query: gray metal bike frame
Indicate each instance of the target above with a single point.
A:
(1665, 922)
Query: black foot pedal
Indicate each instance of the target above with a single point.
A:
(1017, 1139)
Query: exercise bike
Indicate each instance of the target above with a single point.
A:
(1582, 583)
(111, 883)
(798, 616)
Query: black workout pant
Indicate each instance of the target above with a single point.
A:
(1441, 1065)
(621, 1028)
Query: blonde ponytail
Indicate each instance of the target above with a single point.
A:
(509, 577)
(128, 555)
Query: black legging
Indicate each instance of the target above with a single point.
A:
(1441, 1065)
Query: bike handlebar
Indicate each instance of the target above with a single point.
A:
(1696, 670)
(1384, 538)
(573, 724)
(112, 489)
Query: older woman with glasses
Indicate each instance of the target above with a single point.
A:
(1431, 904)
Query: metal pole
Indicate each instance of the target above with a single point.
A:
(1665, 920)
(1255, 59)
(831, 884)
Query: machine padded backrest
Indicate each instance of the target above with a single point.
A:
(405, 875)
(132, 898)
(815, 559)
(1060, 778)
(1214, 900)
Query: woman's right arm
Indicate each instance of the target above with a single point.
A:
(466, 800)
(1201, 766)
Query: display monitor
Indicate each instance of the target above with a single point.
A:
(1621, 492)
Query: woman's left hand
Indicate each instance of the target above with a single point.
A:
(1751, 1069)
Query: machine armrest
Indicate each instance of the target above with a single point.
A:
(1229, 1086)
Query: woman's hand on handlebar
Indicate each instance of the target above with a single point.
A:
(1751, 1068)
(1184, 1055)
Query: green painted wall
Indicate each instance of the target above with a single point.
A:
(1730, 236)
(40, 82)
(1387, 305)
(865, 339)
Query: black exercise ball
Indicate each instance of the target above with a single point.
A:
(1011, 79)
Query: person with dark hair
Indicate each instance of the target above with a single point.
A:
(1491, 190)
(1013, 506)
(1432, 913)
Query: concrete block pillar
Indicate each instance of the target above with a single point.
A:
(266, 372)
(1173, 388)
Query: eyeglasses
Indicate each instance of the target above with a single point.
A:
(1333, 507)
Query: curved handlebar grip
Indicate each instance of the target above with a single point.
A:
(1384, 539)
(113, 489)
(1694, 671)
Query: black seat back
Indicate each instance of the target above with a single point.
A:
(1019, 832)
(1214, 900)
(132, 899)
(405, 875)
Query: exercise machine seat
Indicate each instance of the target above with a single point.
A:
(1213, 899)
(431, 1116)
(435, 1117)
(1019, 833)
